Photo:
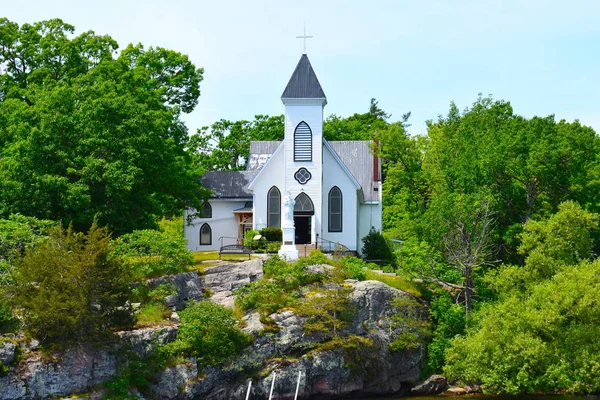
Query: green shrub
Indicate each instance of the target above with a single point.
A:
(255, 245)
(273, 247)
(356, 268)
(315, 257)
(151, 313)
(272, 234)
(151, 253)
(376, 247)
(71, 287)
(143, 293)
(208, 331)
(265, 296)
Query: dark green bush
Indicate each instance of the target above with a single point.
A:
(208, 331)
(377, 248)
(272, 234)
(71, 287)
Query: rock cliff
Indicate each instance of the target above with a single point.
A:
(282, 354)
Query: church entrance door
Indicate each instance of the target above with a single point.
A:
(302, 229)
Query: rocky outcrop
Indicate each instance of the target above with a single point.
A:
(435, 384)
(188, 287)
(281, 353)
(324, 373)
(77, 370)
(7, 352)
(222, 280)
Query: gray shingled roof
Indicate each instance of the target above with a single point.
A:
(228, 184)
(304, 83)
(264, 146)
(357, 157)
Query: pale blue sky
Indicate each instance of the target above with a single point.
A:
(542, 56)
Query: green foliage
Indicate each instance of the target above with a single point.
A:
(272, 234)
(357, 126)
(409, 322)
(172, 226)
(545, 340)
(150, 253)
(377, 248)
(71, 288)
(563, 239)
(92, 134)
(151, 313)
(225, 144)
(449, 322)
(18, 233)
(153, 309)
(254, 244)
(279, 288)
(327, 309)
(356, 268)
(134, 373)
(265, 296)
(208, 331)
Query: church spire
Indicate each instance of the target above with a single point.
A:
(304, 83)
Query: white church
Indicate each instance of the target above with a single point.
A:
(335, 186)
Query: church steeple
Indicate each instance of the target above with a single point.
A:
(304, 83)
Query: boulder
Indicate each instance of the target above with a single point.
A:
(435, 384)
(222, 280)
(7, 352)
(188, 287)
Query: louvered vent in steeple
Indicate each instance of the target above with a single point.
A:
(302, 142)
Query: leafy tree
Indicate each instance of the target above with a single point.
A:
(71, 288)
(18, 233)
(85, 135)
(150, 253)
(356, 126)
(225, 145)
(545, 340)
(527, 166)
(208, 331)
(448, 322)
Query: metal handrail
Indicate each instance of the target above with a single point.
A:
(237, 240)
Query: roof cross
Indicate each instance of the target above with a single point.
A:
(304, 37)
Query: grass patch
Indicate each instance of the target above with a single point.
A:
(151, 314)
(396, 282)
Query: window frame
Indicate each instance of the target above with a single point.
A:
(330, 212)
(301, 136)
(273, 189)
(204, 208)
(209, 234)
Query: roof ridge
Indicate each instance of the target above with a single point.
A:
(303, 83)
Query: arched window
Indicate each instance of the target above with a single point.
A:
(304, 205)
(335, 209)
(205, 234)
(302, 142)
(206, 211)
(274, 207)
